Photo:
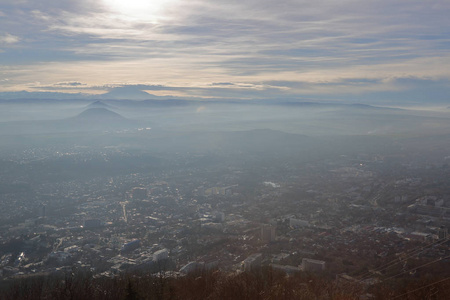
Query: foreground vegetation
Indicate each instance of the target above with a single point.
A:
(263, 284)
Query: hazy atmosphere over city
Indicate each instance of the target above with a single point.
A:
(175, 149)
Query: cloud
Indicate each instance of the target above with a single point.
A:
(222, 84)
(72, 83)
(8, 39)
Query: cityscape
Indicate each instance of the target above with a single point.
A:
(241, 150)
(363, 209)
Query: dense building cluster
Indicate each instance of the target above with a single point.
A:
(350, 214)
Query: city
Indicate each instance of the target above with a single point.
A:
(239, 149)
(110, 210)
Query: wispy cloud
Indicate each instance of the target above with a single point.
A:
(230, 49)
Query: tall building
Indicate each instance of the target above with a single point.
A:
(252, 262)
(42, 212)
(219, 216)
(268, 233)
(114, 241)
(442, 233)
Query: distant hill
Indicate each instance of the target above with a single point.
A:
(31, 97)
(359, 106)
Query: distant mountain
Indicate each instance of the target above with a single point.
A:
(371, 107)
(359, 106)
(126, 92)
(92, 119)
(134, 96)
(118, 93)
(98, 104)
(98, 114)
(42, 96)
(98, 119)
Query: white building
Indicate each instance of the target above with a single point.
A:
(312, 265)
(252, 262)
(160, 255)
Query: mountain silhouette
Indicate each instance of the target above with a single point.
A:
(99, 119)
(98, 114)
(98, 104)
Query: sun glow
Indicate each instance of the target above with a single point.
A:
(148, 10)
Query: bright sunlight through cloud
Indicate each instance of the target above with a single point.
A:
(142, 10)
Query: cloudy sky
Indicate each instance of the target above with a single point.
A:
(381, 51)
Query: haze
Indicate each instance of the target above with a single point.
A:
(162, 149)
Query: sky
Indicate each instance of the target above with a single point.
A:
(377, 52)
